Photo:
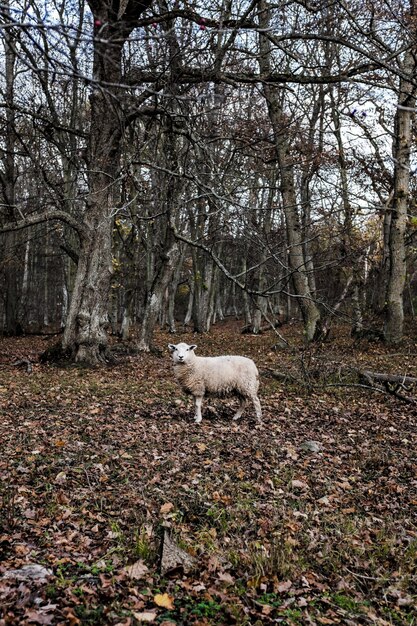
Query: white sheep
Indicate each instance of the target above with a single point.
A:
(217, 376)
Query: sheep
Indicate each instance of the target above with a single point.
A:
(218, 376)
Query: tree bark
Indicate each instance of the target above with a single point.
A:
(393, 330)
(12, 325)
(309, 310)
(85, 335)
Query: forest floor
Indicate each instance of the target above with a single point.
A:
(97, 466)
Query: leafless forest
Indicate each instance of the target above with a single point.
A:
(175, 164)
(241, 174)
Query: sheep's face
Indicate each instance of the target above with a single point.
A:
(182, 352)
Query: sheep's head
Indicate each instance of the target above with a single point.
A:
(182, 352)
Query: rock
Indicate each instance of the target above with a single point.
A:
(312, 446)
(32, 571)
(174, 557)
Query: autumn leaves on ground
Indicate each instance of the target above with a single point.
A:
(309, 518)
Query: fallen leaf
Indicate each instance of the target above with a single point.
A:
(299, 484)
(38, 617)
(166, 508)
(267, 609)
(60, 478)
(146, 616)
(136, 571)
(164, 600)
(283, 587)
(225, 577)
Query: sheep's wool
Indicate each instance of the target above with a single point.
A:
(218, 376)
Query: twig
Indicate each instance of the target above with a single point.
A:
(25, 362)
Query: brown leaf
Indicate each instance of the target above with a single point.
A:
(166, 508)
(299, 484)
(39, 617)
(70, 617)
(60, 478)
(285, 586)
(136, 571)
(226, 578)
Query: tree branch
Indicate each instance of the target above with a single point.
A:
(46, 216)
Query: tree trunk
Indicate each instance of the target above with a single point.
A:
(156, 294)
(172, 292)
(309, 311)
(85, 335)
(393, 330)
(12, 325)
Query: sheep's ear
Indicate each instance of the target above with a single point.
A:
(171, 347)
(193, 347)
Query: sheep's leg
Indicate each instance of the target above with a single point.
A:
(257, 406)
(242, 406)
(198, 403)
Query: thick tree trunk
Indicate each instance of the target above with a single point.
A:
(12, 325)
(85, 335)
(393, 330)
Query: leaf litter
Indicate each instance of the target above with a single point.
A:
(309, 518)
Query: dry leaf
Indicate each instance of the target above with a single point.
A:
(299, 484)
(136, 571)
(166, 508)
(226, 578)
(283, 587)
(146, 616)
(60, 478)
(164, 600)
(267, 609)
